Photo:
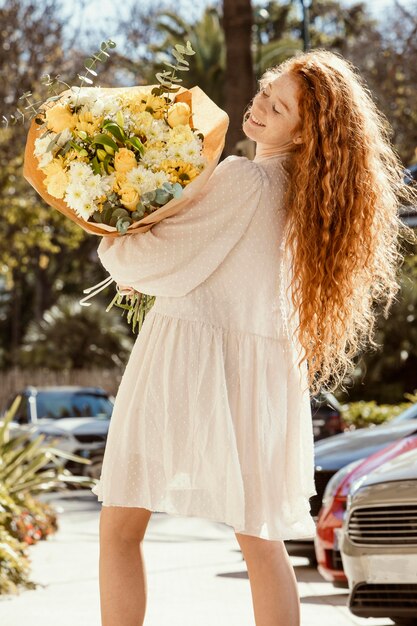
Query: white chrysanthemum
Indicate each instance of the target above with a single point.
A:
(189, 152)
(180, 134)
(160, 178)
(78, 199)
(84, 96)
(64, 136)
(46, 158)
(79, 173)
(41, 144)
(144, 180)
(153, 156)
(97, 108)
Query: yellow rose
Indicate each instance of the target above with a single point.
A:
(178, 113)
(124, 160)
(59, 117)
(56, 183)
(129, 197)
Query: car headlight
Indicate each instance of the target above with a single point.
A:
(333, 484)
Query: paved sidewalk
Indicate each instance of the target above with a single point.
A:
(196, 576)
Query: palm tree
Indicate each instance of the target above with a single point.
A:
(206, 36)
(75, 337)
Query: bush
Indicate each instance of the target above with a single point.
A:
(362, 414)
(27, 466)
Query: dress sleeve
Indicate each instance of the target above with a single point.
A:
(183, 250)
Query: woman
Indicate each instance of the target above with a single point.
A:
(265, 287)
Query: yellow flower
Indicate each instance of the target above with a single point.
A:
(180, 134)
(179, 171)
(88, 123)
(155, 105)
(59, 117)
(129, 197)
(56, 180)
(124, 160)
(178, 113)
(143, 122)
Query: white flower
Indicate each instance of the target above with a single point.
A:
(41, 144)
(79, 173)
(144, 180)
(78, 199)
(65, 136)
(45, 159)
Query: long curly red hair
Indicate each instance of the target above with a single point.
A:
(343, 230)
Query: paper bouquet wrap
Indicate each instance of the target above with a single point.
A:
(206, 117)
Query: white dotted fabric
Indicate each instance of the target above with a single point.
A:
(212, 417)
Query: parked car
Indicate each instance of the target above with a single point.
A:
(75, 418)
(333, 453)
(327, 416)
(333, 507)
(378, 542)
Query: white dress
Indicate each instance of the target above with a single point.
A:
(212, 417)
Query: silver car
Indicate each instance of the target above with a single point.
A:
(378, 542)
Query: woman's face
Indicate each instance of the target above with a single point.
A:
(274, 113)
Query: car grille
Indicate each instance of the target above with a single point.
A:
(394, 524)
(321, 478)
(383, 599)
(90, 438)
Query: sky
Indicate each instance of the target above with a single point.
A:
(102, 12)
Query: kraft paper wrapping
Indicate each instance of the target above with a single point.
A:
(207, 117)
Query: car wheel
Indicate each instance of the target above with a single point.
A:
(312, 561)
(404, 621)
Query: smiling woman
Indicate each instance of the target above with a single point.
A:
(274, 116)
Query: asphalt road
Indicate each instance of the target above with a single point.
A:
(195, 571)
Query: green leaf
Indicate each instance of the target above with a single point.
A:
(177, 190)
(105, 140)
(115, 130)
(95, 165)
(122, 225)
(136, 143)
(85, 79)
(162, 196)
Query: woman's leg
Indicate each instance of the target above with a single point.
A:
(272, 580)
(123, 587)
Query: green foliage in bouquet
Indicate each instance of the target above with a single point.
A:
(167, 78)
(56, 85)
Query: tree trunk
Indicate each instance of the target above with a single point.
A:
(240, 83)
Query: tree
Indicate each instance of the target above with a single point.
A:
(70, 336)
(240, 84)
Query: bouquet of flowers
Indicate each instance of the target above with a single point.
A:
(118, 160)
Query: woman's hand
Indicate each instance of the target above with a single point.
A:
(125, 290)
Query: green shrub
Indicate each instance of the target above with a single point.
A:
(362, 414)
(27, 467)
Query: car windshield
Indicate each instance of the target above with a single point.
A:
(58, 404)
(408, 414)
